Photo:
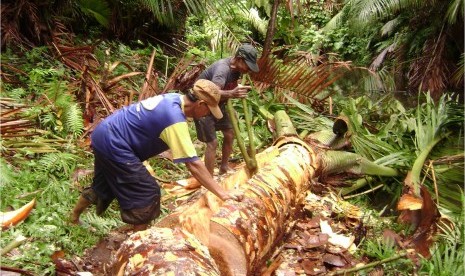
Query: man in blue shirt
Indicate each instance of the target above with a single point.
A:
(225, 73)
(137, 132)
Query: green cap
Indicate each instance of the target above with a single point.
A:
(249, 54)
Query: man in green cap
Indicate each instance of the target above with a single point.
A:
(225, 73)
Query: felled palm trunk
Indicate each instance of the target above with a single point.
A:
(273, 196)
(239, 235)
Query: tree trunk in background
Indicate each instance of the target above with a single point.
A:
(268, 45)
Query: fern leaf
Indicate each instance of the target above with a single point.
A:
(73, 120)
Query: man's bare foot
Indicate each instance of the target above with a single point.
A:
(224, 169)
(140, 227)
(74, 219)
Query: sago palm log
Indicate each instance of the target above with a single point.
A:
(240, 236)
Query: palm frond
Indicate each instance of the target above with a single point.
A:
(430, 128)
(335, 21)
(390, 27)
(453, 230)
(381, 80)
(364, 142)
(98, 9)
(446, 259)
(161, 9)
(370, 10)
(449, 199)
(455, 11)
(298, 78)
(306, 118)
(396, 158)
(457, 77)
(433, 119)
(222, 37)
(431, 71)
(195, 7)
(256, 21)
(20, 24)
(377, 9)
(446, 175)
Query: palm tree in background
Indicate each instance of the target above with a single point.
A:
(31, 22)
(419, 42)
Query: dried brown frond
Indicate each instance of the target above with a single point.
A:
(99, 89)
(184, 75)
(431, 71)
(22, 133)
(298, 78)
(21, 24)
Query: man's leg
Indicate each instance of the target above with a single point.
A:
(228, 139)
(206, 133)
(138, 194)
(210, 155)
(80, 206)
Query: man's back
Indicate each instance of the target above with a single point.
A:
(221, 74)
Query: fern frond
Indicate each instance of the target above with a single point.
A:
(73, 121)
(6, 173)
(57, 163)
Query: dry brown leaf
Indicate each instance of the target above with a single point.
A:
(334, 260)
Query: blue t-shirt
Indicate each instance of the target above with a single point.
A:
(145, 129)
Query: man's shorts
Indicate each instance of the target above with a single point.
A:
(208, 126)
(137, 192)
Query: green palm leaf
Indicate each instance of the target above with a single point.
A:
(99, 9)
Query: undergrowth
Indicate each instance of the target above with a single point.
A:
(43, 167)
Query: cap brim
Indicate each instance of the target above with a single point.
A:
(216, 111)
(252, 66)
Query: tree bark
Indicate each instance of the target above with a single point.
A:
(268, 45)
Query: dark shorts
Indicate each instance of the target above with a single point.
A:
(208, 126)
(137, 192)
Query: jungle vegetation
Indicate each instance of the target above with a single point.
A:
(393, 68)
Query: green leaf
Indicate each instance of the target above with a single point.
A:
(99, 9)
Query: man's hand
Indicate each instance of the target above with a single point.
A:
(234, 195)
(200, 172)
(240, 91)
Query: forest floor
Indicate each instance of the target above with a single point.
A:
(324, 237)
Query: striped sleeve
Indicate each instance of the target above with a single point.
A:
(177, 137)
